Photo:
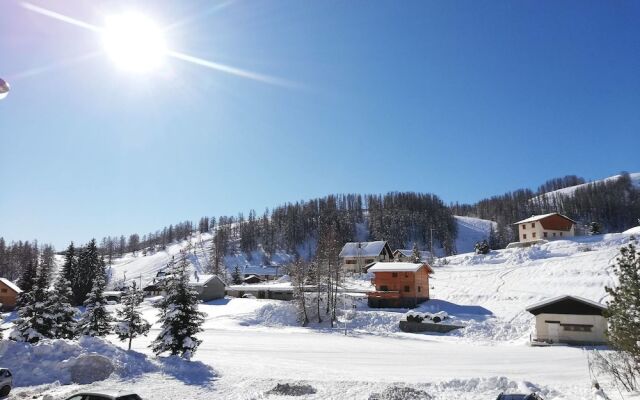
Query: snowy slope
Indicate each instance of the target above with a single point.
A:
(568, 191)
(470, 231)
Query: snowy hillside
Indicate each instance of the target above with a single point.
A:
(568, 191)
(470, 231)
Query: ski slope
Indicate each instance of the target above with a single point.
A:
(568, 191)
(470, 231)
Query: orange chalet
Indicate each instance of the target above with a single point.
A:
(399, 284)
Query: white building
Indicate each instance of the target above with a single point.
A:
(545, 227)
(569, 319)
(356, 255)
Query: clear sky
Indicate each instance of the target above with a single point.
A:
(464, 99)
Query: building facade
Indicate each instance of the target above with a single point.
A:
(399, 284)
(570, 320)
(9, 292)
(356, 255)
(545, 227)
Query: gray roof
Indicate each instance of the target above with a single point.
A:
(363, 249)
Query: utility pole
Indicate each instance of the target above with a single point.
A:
(431, 246)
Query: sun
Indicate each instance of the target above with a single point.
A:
(134, 42)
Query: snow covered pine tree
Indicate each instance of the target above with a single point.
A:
(60, 308)
(179, 315)
(130, 322)
(96, 320)
(35, 322)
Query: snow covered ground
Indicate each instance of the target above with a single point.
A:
(568, 191)
(252, 345)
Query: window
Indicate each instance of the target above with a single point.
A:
(419, 288)
(350, 262)
(130, 397)
(533, 234)
(554, 234)
(394, 274)
(545, 234)
(78, 397)
(560, 233)
(3, 290)
(406, 274)
(576, 327)
(524, 226)
(384, 288)
(533, 225)
(407, 289)
(524, 235)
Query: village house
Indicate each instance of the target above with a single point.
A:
(545, 227)
(407, 255)
(262, 291)
(356, 255)
(570, 320)
(9, 292)
(208, 287)
(399, 284)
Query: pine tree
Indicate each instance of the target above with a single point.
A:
(594, 228)
(63, 313)
(624, 307)
(482, 247)
(416, 257)
(179, 315)
(235, 276)
(130, 322)
(89, 266)
(34, 322)
(96, 320)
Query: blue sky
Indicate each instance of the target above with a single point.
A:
(464, 99)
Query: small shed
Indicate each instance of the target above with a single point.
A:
(252, 279)
(569, 319)
(9, 292)
(209, 287)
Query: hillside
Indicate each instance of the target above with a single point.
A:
(569, 191)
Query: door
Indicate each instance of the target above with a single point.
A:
(553, 330)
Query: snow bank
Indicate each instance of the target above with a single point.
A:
(59, 360)
(633, 231)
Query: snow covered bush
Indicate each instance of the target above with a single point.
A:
(482, 247)
(179, 315)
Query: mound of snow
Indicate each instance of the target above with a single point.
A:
(63, 360)
(633, 231)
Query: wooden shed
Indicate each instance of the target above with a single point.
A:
(9, 292)
(569, 319)
(399, 284)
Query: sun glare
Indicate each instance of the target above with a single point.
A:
(134, 42)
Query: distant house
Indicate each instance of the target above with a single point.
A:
(112, 295)
(262, 291)
(545, 227)
(251, 279)
(569, 319)
(407, 255)
(209, 287)
(9, 292)
(355, 255)
(399, 284)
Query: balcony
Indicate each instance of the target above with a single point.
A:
(384, 295)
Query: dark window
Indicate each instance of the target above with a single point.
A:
(78, 397)
(545, 234)
(394, 274)
(350, 262)
(533, 234)
(407, 289)
(533, 225)
(524, 226)
(560, 233)
(3, 290)
(554, 234)
(406, 274)
(419, 289)
(384, 288)
(524, 235)
(577, 327)
(130, 397)
(94, 397)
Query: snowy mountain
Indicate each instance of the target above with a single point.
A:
(470, 231)
(568, 191)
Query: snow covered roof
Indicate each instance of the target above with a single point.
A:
(398, 267)
(202, 279)
(11, 285)
(532, 308)
(535, 218)
(363, 249)
(424, 254)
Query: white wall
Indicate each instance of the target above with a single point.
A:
(596, 335)
(539, 232)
